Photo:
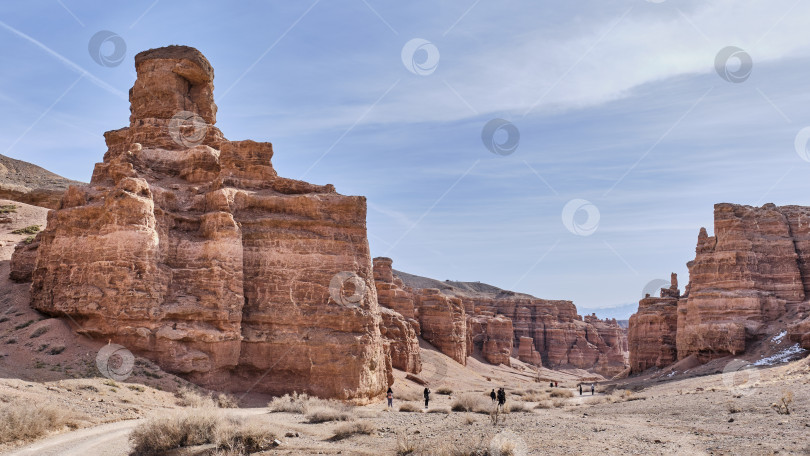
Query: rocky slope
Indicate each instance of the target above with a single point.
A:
(30, 184)
(189, 249)
(749, 281)
(501, 324)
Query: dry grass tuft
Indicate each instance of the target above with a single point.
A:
(544, 405)
(409, 396)
(783, 406)
(558, 403)
(409, 407)
(535, 397)
(188, 397)
(444, 410)
(516, 407)
(444, 390)
(469, 402)
(354, 428)
(298, 403)
(226, 401)
(24, 421)
(323, 414)
(405, 446)
(236, 436)
(561, 393)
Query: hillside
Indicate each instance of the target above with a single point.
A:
(27, 183)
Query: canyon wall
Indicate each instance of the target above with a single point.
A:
(750, 279)
(190, 250)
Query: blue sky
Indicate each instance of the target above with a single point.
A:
(619, 105)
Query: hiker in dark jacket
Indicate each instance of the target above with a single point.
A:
(492, 395)
(501, 398)
(427, 396)
(592, 389)
(390, 396)
(580, 389)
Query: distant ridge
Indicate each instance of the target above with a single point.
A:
(27, 183)
(454, 288)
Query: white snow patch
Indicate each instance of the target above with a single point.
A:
(671, 374)
(778, 338)
(781, 357)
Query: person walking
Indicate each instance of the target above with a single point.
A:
(501, 398)
(492, 395)
(580, 389)
(592, 389)
(390, 396)
(427, 396)
(556, 385)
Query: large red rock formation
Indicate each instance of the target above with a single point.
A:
(189, 249)
(399, 324)
(746, 281)
(443, 322)
(493, 336)
(651, 337)
(527, 352)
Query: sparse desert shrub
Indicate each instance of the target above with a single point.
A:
(33, 229)
(405, 446)
(56, 350)
(323, 414)
(25, 421)
(558, 403)
(409, 407)
(297, 403)
(561, 393)
(24, 325)
(515, 407)
(187, 397)
(236, 436)
(444, 390)
(354, 428)
(8, 209)
(29, 240)
(226, 401)
(534, 397)
(466, 402)
(544, 405)
(782, 407)
(137, 388)
(469, 419)
(444, 410)
(176, 430)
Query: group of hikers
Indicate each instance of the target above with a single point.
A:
(499, 396)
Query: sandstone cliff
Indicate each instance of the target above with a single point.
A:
(749, 280)
(502, 323)
(189, 249)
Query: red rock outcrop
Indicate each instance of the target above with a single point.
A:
(443, 323)
(190, 250)
(23, 261)
(493, 336)
(399, 324)
(559, 336)
(653, 329)
(743, 283)
(527, 353)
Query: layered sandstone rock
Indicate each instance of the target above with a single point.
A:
(493, 336)
(443, 323)
(23, 261)
(527, 352)
(190, 250)
(399, 325)
(559, 337)
(745, 281)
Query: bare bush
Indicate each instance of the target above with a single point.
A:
(296, 403)
(782, 407)
(535, 397)
(188, 397)
(466, 402)
(409, 407)
(236, 436)
(226, 401)
(177, 430)
(444, 410)
(444, 390)
(544, 405)
(516, 407)
(558, 403)
(409, 396)
(323, 414)
(561, 393)
(23, 421)
(354, 428)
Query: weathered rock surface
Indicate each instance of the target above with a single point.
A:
(559, 336)
(527, 352)
(443, 323)
(653, 330)
(744, 282)
(190, 250)
(23, 261)
(399, 331)
(493, 336)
